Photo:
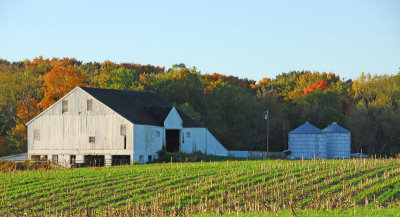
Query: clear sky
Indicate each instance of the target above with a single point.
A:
(252, 39)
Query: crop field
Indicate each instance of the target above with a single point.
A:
(228, 187)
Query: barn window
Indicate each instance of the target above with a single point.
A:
(64, 106)
(90, 104)
(72, 159)
(92, 139)
(123, 130)
(157, 133)
(36, 135)
(55, 158)
(188, 134)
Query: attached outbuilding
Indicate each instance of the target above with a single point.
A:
(109, 127)
(308, 142)
(338, 141)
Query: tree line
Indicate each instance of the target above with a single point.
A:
(232, 108)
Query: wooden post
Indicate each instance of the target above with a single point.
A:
(267, 135)
(267, 118)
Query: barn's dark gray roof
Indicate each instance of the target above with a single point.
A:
(306, 128)
(139, 107)
(335, 128)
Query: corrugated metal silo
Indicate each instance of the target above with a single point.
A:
(308, 142)
(338, 141)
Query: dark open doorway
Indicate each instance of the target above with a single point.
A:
(120, 160)
(172, 140)
(94, 160)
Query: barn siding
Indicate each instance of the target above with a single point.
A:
(173, 120)
(202, 140)
(68, 133)
(147, 142)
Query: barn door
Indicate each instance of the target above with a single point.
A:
(172, 140)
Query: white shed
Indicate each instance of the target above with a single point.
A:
(106, 127)
(308, 142)
(338, 141)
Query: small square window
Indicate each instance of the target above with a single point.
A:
(188, 134)
(123, 130)
(36, 135)
(157, 133)
(90, 104)
(64, 106)
(92, 139)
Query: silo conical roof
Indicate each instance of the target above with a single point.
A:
(335, 128)
(306, 128)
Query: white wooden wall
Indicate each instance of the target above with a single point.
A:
(68, 133)
(199, 139)
(202, 140)
(148, 140)
(173, 120)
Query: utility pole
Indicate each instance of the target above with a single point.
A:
(267, 118)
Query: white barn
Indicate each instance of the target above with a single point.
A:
(104, 126)
(308, 142)
(338, 141)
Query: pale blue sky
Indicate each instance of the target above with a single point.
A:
(252, 39)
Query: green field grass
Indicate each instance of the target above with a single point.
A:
(358, 212)
(309, 187)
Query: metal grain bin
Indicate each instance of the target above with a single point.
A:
(308, 142)
(338, 141)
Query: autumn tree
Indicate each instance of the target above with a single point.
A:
(263, 83)
(64, 62)
(58, 82)
(375, 116)
(91, 71)
(230, 112)
(18, 101)
(319, 85)
(233, 80)
(121, 78)
(231, 107)
(146, 69)
(179, 85)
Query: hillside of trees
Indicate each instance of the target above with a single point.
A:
(231, 107)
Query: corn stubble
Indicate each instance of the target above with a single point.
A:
(206, 187)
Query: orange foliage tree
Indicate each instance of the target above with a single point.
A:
(58, 82)
(209, 89)
(319, 85)
(64, 62)
(232, 80)
(264, 82)
(26, 111)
